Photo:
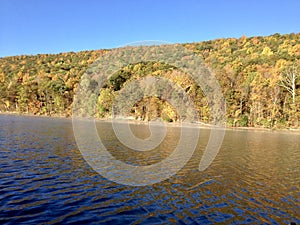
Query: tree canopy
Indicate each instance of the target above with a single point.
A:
(259, 77)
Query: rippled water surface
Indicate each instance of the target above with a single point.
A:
(255, 179)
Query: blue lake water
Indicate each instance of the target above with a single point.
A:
(255, 179)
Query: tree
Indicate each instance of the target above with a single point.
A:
(256, 76)
(288, 80)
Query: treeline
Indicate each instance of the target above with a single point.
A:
(259, 77)
(42, 84)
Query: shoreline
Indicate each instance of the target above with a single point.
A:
(169, 124)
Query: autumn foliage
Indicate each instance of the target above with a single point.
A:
(259, 77)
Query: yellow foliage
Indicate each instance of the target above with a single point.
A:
(295, 50)
(2, 77)
(7, 104)
(267, 51)
(280, 64)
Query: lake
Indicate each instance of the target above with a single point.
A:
(255, 179)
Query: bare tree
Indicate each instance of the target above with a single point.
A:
(288, 80)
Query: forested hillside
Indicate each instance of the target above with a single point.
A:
(259, 77)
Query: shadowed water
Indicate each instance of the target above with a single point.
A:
(255, 179)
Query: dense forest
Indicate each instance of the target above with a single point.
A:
(259, 78)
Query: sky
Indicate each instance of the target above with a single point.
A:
(54, 26)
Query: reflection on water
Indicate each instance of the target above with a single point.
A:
(43, 179)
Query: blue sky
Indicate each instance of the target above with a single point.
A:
(53, 26)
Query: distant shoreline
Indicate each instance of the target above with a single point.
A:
(170, 124)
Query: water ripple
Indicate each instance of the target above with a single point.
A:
(255, 179)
